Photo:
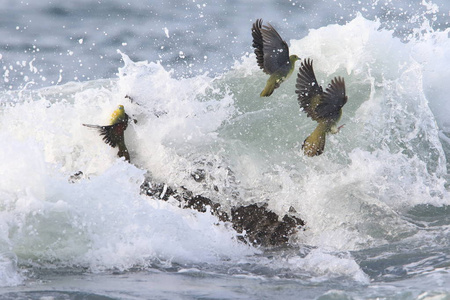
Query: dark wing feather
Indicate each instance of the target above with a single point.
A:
(333, 100)
(307, 89)
(276, 51)
(258, 43)
(112, 134)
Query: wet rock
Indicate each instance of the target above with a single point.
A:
(157, 190)
(262, 226)
(185, 198)
(257, 224)
(201, 204)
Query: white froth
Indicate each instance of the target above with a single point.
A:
(387, 159)
(321, 264)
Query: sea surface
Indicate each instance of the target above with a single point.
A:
(376, 203)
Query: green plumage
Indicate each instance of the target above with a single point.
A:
(272, 56)
(323, 107)
(113, 134)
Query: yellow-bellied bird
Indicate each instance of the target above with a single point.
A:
(272, 55)
(113, 134)
(323, 107)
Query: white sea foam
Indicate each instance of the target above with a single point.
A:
(387, 159)
(9, 275)
(100, 222)
(321, 264)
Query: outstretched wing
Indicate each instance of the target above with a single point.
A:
(112, 134)
(308, 91)
(271, 50)
(333, 100)
(258, 43)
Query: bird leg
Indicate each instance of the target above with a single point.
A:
(335, 129)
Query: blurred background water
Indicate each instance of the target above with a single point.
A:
(45, 43)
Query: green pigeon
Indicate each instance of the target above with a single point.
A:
(272, 56)
(323, 107)
(113, 134)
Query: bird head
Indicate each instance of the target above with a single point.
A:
(118, 115)
(293, 58)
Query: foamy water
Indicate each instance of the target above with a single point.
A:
(375, 203)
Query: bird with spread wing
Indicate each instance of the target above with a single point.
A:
(323, 107)
(272, 56)
(113, 134)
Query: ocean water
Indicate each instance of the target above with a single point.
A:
(376, 203)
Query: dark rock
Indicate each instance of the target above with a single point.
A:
(257, 224)
(161, 191)
(201, 203)
(262, 226)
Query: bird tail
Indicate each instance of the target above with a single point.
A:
(315, 143)
(123, 152)
(272, 84)
(268, 90)
(93, 126)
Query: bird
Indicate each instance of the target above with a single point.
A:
(323, 107)
(272, 56)
(113, 134)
